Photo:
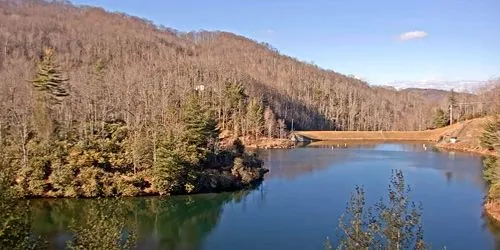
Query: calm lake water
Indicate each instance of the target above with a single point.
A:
(298, 204)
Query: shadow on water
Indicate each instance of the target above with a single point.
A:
(493, 226)
(178, 222)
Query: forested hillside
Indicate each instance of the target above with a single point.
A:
(124, 67)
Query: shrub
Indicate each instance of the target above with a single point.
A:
(490, 138)
(392, 224)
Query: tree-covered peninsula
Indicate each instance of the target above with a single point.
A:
(102, 156)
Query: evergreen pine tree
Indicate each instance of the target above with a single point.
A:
(441, 119)
(255, 117)
(235, 95)
(490, 138)
(452, 102)
(394, 223)
(50, 91)
(169, 170)
(400, 220)
(200, 127)
(49, 79)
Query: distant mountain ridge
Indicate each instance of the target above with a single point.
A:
(469, 86)
(436, 95)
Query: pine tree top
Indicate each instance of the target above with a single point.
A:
(49, 78)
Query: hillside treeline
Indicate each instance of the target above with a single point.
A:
(126, 67)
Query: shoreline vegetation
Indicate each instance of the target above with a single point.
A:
(391, 223)
(107, 157)
(490, 140)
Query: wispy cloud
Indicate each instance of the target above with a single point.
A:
(412, 35)
(269, 31)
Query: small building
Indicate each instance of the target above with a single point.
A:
(453, 139)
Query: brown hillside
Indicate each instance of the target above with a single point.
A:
(149, 69)
(468, 134)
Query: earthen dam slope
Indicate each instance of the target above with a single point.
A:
(425, 135)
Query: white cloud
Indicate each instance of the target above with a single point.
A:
(412, 35)
(269, 31)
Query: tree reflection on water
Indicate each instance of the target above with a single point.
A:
(180, 222)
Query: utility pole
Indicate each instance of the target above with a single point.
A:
(451, 114)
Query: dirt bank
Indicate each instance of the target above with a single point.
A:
(426, 135)
(227, 139)
(467, 134)
(268, 143)
(492, 209)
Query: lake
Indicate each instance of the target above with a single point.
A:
(297, 206)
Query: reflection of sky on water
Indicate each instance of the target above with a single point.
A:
(412, 156)
(307, 188)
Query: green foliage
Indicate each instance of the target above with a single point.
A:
(400, 220)
(491, 174)
(200, 127)
(15, 231)
(360, 228)
(181, 162)
(93, 166)
(180, 222)
(394, 223)
(49, 79)
(50, 89)
(170, 170)
(106, 157)
(35, 174)
(234, 94)
(255, 117)
(103, 228)
(14, 216)
(441, 119)
(238, 148)
(490, 138)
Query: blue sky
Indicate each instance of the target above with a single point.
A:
(445, 41)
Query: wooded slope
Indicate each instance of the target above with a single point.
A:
(145, 71)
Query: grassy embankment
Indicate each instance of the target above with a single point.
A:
(466, 132)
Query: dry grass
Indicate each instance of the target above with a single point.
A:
(467, 133)
(493, 210)
(426, 135)
(267, 143)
